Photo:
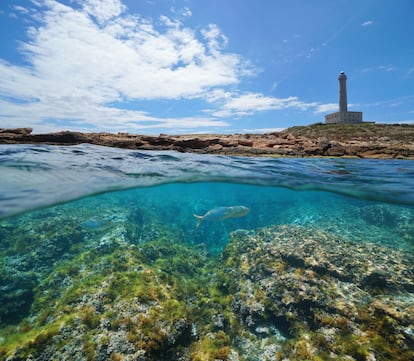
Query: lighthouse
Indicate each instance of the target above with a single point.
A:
(343, 102)
(343, 116)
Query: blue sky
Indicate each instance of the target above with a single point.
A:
(202, 66)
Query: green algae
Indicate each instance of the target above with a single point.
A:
(211, 347)
(163, 298)
(158, 276)
(29, 342)
(309, 304)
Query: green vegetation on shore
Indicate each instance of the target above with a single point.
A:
(400, 132)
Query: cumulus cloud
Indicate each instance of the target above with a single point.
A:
(127, 57)
(184, 12)
(326, 108)
(81, 59)
(248, 103)
(103, 10)
(92, 65)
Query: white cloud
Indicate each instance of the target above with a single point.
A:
(184, 12)
(386, 68)
(327, 108)
(83, 116)
(367, 23)
(80, 60)
(20, 9)
(103, 10)
(215, 39)
(88, 64)
(275, 85)
(263, 130)
(234, 104)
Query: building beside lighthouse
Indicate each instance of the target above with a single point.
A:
(343, 116)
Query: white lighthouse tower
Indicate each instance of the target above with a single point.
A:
(343, 116)
(343, 102)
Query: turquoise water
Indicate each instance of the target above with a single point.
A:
(168, 188)
(56, 202)
(36, 176)
(169, 210)
(360, 199)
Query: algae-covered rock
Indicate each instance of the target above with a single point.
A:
(330, 298)
(277, 293)
(16, 296)
(118, 301)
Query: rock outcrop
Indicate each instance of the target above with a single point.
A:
(330, 298)
(276, 293)
(365, 140)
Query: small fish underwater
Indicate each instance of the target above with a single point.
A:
(95, 224)
(222, 213)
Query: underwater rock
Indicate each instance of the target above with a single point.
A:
(28, 253)
(16, 296)
(379, 215)
(117, 305)
(278, 293)
(385, 224)
(329, 297)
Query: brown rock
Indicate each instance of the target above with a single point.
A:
(59, 138)
(246, 143)
(228, 143)
(215, 147)
(336, 149)
(195, 143)
(364, 140)
(19, 131)
(158, 141)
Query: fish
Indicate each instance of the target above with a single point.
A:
(222, 213)
(95, 224)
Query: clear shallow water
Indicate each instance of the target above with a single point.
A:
(61, 204)
(169, 188)
(36, 176)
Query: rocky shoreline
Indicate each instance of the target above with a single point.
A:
(365, 140)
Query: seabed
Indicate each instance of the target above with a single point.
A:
(122, 283)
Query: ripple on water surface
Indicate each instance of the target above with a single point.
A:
(37, 176)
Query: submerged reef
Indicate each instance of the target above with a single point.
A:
(331, 299)
(114, 300)
(287, 292)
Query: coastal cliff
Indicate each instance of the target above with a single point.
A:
(365, 140)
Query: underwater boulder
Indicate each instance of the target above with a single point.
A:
(379, 215)
(322, 293)
(16, 296)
